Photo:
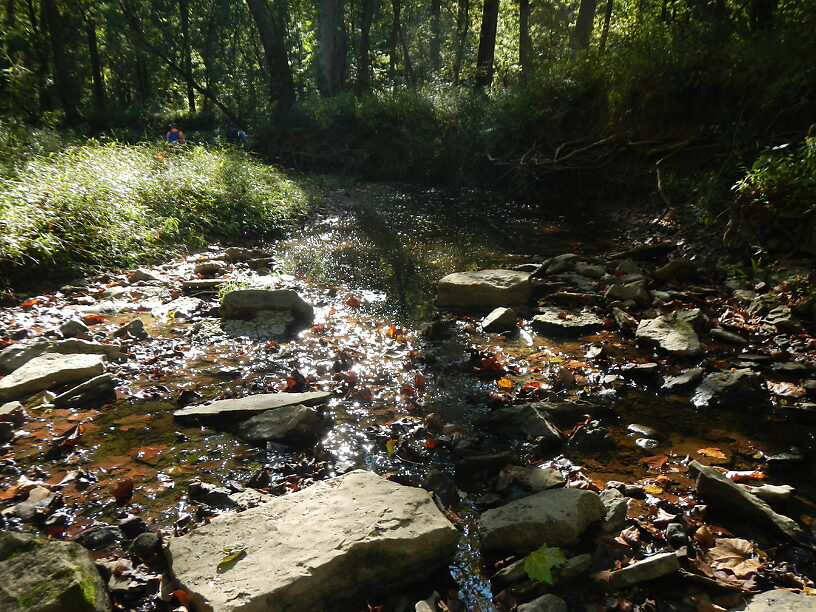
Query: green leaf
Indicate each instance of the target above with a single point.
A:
(539, 563)
(232, 556)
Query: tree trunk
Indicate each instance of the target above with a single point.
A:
(364, 56)
(525, 45)
(96, 66)
(487, 43)
(462, 17)
(184, 11)
(65, 80)
(762, 13)
(607, 19)
(406, 56)
(332, 59)
(393, 40)
(436, 36)
(583, 26)
(281, 88)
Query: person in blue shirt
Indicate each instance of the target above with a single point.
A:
(237, 136)
(175, 136)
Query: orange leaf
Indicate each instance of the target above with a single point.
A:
(714, 453)
(93, 318)
(353, 302)
(504, 383)
(656, 462)
(653, 489)
(430, 443)
(123, 491)
(183, 597)
(31, 302)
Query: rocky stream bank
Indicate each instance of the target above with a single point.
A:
(615, 431)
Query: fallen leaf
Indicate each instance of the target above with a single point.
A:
(714, 453)
(734, 555)
(390, 446)
(123, 491)
(653, 489)
(353, 302)
(231, 558)
(504, 383)
(539, 563)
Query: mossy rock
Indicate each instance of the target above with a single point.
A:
(38, 575)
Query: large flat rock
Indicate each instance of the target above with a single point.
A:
(555, 517)
(484, 289)
(315, 549)
(49, 369)
(556, 322)
(252, 404)
(780, 600)
(671, 335)
(250, 303)
(39, 575)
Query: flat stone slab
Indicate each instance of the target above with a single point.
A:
(671, 335)
(315, 549)
(555, 517)
(556, 322)
(289, 424)
(650, 568)
(780, 600)
(252, 404)
(733, 389)
(500, 320)
(484, 289)
(38, 574)
(45, 370)
(249, 303)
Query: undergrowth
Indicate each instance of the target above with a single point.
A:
(115, 205)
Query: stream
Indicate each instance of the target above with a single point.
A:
(409, 383)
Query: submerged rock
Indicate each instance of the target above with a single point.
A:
(736, 389)
(522, 421)
(44, 575)
(684, 380)
(635, 291)
(484, 289)
(728, 337)
(247, 406)
(556, 517)
(315, 549)
(49, 369)
(671, 335)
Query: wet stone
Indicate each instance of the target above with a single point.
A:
(783, 319)
(244, 407)
(727, 337)
(555, 322)
(561, 263)
(676, 269)
(641, 371)
(533, 479)
(644, 430)
(522, 421)
(781, 600)
(289, 424)
(545, 603)
(647, 443)
(484, 289)
(634, 291)
(102, 536)
(500, 320)
(734, 389)
(49, 369)
(616, 507)
(671, 335)
(650, 568)
(589, 270)
(73, 328)
(145, 545)
(134, 329)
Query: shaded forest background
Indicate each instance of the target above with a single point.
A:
(579, 99)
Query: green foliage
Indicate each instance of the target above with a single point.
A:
(539, 563)
(114, 205)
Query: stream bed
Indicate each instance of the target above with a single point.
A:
(410, 384)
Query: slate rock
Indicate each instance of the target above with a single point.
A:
(72, 328)
(86, 392)
(716, 489)
(589, 270)
(561, 263)
(49, 369)
(500, 320)
(244, 407)
(99, 537)
(556, 517)
(781, 600)
(669, 335)
(695, 317)
(556, 322)
(236, 254)
(545, 603)
(733, 389)
(784, 320)
(484, 289)
(315, 549)
(39, 575)
(522, 421)
(634, 291)
(289, 424)
(728, 337)
(685, 380)
(649, 568)
(616, 507)
(533, 479)
(249, 303)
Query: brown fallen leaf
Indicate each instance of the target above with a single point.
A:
(714, 453)
(733, 555)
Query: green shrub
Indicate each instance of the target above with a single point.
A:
(115, 205)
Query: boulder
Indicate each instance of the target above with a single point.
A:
(616, 507)
(781, 600)
(525, 420)
(249, 303)
(676, 269)
(784, 320)
(649, 568)
(556, 517)
(73, 328)
(244, 407)
(532, 479)
(49, 369)
(695, 317)
(484, 289)
(635, 291)
(732, 389)
(732, 499)
(135, 329)
(39, 575)
(500, 320)
(545, 603)
(289, 424)
(315, 549)
(589, 270)
(669, 335)
(556, 322)
(561, 263)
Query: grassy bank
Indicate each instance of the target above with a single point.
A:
(64, 212)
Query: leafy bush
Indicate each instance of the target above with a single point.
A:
(114, 205)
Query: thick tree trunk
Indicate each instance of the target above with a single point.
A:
(583, 26)
(96, 65)
(487, 43)
(462, 19)
(281, 88)
(364, 55)
(436, 36)
(525, 45)
(65, 79)
(332, 59)
(607, 19)
(184, 11)
(41, 53)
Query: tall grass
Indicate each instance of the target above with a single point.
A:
(115, 205)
